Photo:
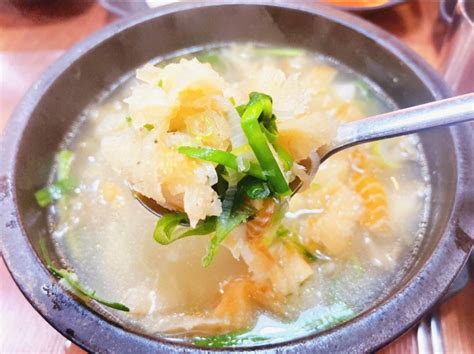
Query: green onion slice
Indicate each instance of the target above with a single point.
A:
(221, 157)
(54, 192)
(64, 160)
(280, 52)
(72, 280)
(284, 156)
(232, 216)
(253, 188)
(64, 183)
(260, 107)
(169, 229)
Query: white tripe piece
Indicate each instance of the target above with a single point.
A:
(167, 100)
(290, 97)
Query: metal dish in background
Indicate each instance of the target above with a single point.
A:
(457, 54)
(127, 8)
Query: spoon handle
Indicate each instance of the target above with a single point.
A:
(410, 120)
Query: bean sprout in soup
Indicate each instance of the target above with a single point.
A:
(219, 137)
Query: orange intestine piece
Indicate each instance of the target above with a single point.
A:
(372, 193)
(242, 298)
(262, 220)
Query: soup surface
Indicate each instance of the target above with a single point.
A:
(337, 248)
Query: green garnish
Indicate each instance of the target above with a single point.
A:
(221, 157)
(285, 157)
(232, 100)
(363, 89)
(239, 179)
(240, 109)
(213, 58)
(269, 127)
(160, 83)
(54, 192)
(221, 186)
(72, 280)
(149, 127)
(280, 52)
(228, 340)
(128, 119)
(64, 161)
(63, 185)
(232, 216)
(257, 111)
(292, 239)
(253, 188)
(169, 229)
(330, 317)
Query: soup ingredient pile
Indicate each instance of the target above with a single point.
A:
(190, 147)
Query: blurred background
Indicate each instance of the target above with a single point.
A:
(33, 33)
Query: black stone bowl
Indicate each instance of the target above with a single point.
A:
(127, 8)
(45, 116)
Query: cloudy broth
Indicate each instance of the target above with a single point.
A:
(105, 235)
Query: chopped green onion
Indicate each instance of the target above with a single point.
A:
(160, 84)
(232, 100)
(221, 186)
(285, 157)
(232, 177)
(242, 164)
(280, 52)
(44, 196)
(64, 161)
(149, 127)
(331, 316)
(253, 188)
(363, 88)
(231, 217)
(169, 229)
(212, 58)
(63, 185)
(260, 105)
(258, 190)
(54, 192)
(240, 109)
(220, 157)
(269, 127)
(292, 239)
(128, 119)
(72, 280)
(228, 340)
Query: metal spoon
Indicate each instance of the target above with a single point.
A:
(441, 113)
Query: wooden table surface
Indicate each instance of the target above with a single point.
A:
(31, 37)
